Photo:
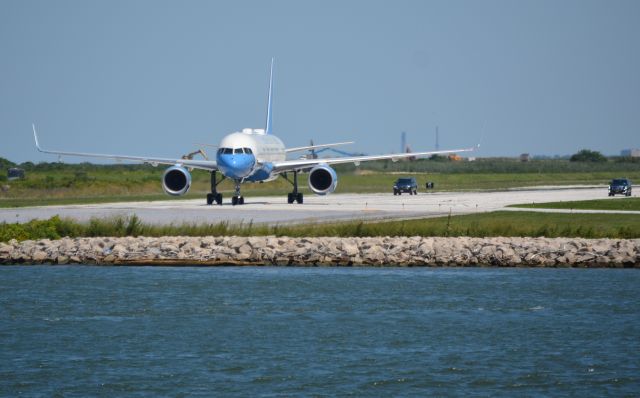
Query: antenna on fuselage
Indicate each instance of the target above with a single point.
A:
(267, 128)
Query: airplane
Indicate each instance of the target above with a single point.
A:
(252, 155)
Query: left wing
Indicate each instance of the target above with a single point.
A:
(303, 164)
(210, 165)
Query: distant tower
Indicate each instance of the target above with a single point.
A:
(437, 139)
(403, 142)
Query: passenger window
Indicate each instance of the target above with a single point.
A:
(228, 151)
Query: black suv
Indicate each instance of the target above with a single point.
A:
(407, 184)
(620, 186)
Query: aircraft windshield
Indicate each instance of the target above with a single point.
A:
(228, 151)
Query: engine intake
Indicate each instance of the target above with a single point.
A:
(323, 179)
(176, 180)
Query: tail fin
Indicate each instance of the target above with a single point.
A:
(267, 128)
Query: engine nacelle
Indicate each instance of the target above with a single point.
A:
(323, 179)
(176, 180)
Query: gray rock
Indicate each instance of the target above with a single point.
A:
(39, 256)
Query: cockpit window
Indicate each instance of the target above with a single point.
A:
(228, 151)
(248, 150)
(238, 150)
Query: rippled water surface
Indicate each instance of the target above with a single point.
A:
(109, 331)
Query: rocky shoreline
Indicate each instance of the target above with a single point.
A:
(283, 251)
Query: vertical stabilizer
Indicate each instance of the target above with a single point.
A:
(267, 128)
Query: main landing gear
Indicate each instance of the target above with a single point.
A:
(237, 199)
(214, 196)
(294, 196)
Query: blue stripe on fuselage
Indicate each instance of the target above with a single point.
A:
(262, 173)
(236, 165)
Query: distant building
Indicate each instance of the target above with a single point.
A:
(524, 157)
(15, 173)
(630, 153)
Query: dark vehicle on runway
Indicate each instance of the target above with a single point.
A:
(407, 184)
(620, 186)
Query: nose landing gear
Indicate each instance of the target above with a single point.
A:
(237, 199)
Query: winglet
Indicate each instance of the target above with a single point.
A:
(484, 123)
(267, 128)
(35, 136)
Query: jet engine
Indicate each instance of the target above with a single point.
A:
(176, 180)
(323, 179)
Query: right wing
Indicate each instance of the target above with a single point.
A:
(305, 164)
(209, 165)
(304, 148)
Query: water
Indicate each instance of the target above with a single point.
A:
(109, 331)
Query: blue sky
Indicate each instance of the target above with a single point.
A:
(156, 77)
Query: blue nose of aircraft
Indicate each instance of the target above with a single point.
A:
(236, 165)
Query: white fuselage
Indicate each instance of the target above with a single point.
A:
(236, 162)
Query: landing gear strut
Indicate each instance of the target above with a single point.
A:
(294, 196)
(237, 199)
(214, 196)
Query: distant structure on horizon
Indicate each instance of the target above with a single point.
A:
(633, 153)
(404, 147)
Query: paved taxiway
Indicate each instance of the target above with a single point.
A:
(274, 209)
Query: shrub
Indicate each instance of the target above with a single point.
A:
(587, 155)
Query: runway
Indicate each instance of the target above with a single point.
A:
(275, 210)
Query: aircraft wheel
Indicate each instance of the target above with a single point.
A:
(415, 191)
(241, 200)
(210, 198)
(290, 198)
(218, 198)
(299, 198)
(234, 200)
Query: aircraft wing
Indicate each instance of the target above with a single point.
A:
(303, 164)
(304, 148)
(209, 165)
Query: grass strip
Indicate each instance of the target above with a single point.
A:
(57, 184)
(629, 204)
(501, 223)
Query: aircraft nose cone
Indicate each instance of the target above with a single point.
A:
(236, 165)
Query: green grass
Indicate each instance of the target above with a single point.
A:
(104, 187)
(503, 223)
(57, 183)
(631, 204)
